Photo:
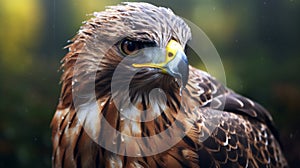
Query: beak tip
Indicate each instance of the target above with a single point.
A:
(179, 69)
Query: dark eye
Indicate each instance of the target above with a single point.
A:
(130, 47)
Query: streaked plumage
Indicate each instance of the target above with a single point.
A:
(244, 135)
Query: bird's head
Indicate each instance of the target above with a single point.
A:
(133, 41)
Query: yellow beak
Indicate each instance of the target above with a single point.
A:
(175, 63)
(171, 50)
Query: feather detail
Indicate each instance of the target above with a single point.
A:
(221, 128)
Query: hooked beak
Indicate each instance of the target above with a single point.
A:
(175, 63)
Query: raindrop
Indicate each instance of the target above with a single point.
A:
(180, 91)
(114, 141)
(102, 104)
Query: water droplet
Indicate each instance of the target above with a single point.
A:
(180, 91)
(102, 104)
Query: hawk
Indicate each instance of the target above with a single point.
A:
(129, 98)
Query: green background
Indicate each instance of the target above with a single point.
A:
(258, 42)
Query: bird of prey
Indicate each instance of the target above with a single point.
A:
(129, 98)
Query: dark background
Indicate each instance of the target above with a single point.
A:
(257, 40)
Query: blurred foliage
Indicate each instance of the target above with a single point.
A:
(258, 42)
(20, 28)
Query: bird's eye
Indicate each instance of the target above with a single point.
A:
(130, 47)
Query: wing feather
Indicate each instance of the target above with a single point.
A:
(245, 134)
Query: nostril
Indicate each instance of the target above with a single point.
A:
(170, 54)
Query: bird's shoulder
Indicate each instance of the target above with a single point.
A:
(214, 95)
(230, 129)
